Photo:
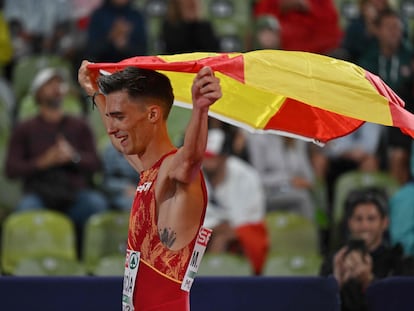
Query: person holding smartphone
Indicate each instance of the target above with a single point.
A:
(367, 256)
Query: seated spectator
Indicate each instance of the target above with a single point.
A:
(184, 29)
(367, 256)
(116, 31)
(402, 213)
(236, 206)
(391, 57)
(54, 155)
(360, 31)
(120, 180)
(306, 25)
(285, 170)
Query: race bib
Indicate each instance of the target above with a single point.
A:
(132, 259)
(198, 253)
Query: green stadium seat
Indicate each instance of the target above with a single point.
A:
(224, 264)
(291, 234)
(281, 265)
(105, 241)
(43, 236)
(49, 266)
(110, 266)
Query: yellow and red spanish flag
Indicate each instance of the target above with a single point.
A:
(298, 94)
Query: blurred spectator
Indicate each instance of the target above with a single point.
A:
(236, 206)
(116, 31)
(120, 180)
(236, 136)
(267, 33)
(285, 170)
(402, 213)
(54, 155)
(306, 25)
(356, 151)
(391, 60)
(184, 29)
(35, 22)
(360, 31)
(367, 256)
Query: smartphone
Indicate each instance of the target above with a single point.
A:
(357, 245)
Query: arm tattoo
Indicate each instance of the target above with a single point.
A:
(167, 236)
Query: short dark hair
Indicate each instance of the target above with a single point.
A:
(389, 12)
(140, 83)
(373, 195)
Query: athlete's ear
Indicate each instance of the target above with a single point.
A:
(154, 113)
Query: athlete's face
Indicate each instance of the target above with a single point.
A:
(127, 122)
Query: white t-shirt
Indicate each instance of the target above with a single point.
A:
(240, 196)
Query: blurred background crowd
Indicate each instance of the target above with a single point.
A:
(278, 202)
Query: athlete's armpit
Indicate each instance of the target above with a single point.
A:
(167, 236)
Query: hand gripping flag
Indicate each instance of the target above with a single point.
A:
(297, 94)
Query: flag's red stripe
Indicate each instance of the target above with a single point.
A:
(320, 124)
(230, 66)
(400, 116)
(384, 89)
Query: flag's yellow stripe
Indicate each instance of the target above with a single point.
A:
(187, 57)
(319, 81)
(240, 102)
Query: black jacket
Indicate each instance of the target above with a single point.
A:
(386, 261)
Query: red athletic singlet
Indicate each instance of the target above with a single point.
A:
(161, 271)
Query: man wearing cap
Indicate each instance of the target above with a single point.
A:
(54, 155)
(236, 206)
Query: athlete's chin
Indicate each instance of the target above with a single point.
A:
(126, 150)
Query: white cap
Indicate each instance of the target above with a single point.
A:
(215, 141)
(44, 76)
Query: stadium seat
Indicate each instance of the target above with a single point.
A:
(291, 234)
(105, 241)
(224, 264)
(110, 266)
(221, 8)
(231, 20)
(357, 180)
(156, 8)
(282, 265)
(40, 239)
(9, 190)
(177, 123)
(49, 266)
